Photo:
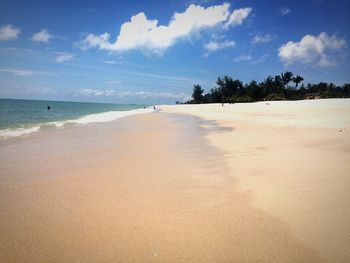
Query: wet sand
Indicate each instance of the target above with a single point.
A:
(150, 188)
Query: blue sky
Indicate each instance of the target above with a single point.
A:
(154, 51)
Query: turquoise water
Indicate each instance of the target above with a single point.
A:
(19, 115)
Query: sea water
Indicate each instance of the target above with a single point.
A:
(19, 117)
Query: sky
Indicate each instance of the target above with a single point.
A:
(155, 51)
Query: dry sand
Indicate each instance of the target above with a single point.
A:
(293, 159)
(239, 183)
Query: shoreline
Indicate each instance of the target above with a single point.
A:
(85, 119)
(193, 183)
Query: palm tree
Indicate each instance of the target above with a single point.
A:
(286, 78)
(267, 85)
(297, 79)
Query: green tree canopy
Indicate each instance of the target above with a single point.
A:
(272, 88)
(197, 94)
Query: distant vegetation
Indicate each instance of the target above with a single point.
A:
(281, 87)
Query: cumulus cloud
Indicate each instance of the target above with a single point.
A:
(139, 94)
(63, 57)
(9, 32)
(145, 34)
(285, 11)
(213, 45)
(238, 16)
(261, 39)
(42, 36)
(320, 50)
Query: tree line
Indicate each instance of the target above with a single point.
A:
(280, 87)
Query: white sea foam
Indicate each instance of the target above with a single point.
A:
(6, 133)
(92, 118)
(109, 116)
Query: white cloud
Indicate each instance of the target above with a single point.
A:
(18, 72)
(139, 94)
(91, 41)
(9, 32)
(42, 36)
(243, 58)
(213, 46)
(95, 92)
(261, 39)
(250, 59)
(320, 50)
(238, 16)
(63, 57)
(23, 72)
(198, 2)
(112, 62)
(285, 11)
(142, 33)
(155, 95)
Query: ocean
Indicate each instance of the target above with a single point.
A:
(19, 117)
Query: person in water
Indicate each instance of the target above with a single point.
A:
(49, 107)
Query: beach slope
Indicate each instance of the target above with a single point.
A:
(261, 182)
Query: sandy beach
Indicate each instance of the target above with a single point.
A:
(257, 182)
